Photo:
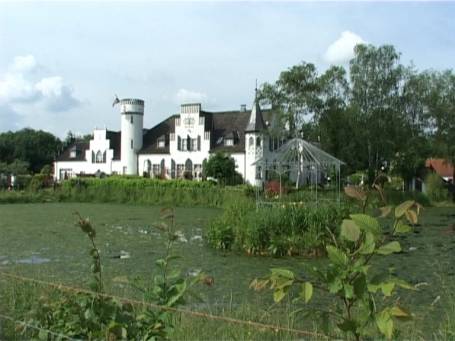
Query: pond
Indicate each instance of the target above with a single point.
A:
(43, 241)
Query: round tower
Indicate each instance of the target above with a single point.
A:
(132, 113)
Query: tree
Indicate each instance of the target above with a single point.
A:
(295, 97)
(35, 147)
(376, 82)
(220, 167)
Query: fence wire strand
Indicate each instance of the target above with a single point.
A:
(25, 324)
(254, 324)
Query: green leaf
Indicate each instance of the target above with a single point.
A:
(360, 285)
(389, 248)
(349, 230)
(402, 228)
(403, 284)
(306, 291)
(335, 286)
(348, 291)
(336, 256)
(278, 295)
(401, 209)
(399, 312)
(366, 223)
(387, 288)
(385, 323)
(282, 273)
(367, 247)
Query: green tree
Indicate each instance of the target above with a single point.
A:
(35, 147)
(220, 167)
(376, 82)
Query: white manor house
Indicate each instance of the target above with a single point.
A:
(175, 147)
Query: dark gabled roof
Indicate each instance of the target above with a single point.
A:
(151, 137)
(80, 146)
(115, 138)
(224, 123)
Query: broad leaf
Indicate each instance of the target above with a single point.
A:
(349, 230)
(385, 323)
(366, 223)
(411, 216)
(403, 207)
(368, 245)
(336, 256)
(387, 288)
(399, 312)
(306, 291)
(278, 295)
(402, 228)
(282, 273)
(348, 326)
(389, 248)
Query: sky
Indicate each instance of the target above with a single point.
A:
(62, 63)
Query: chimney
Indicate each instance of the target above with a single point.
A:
(242, 107)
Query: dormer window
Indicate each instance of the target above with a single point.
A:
(161, 142)
(229, 142)
(73, 152)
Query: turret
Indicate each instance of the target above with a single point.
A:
(254, 144)
(132, 123)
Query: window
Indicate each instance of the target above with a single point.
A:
(229, 142)
(99, 157)
(197, 171)
(258, 172)
(131, 118)
(251, 142)
(194, 144)
(156, 170)
(184, 145)
(206, 135)
(258, 142)
(161, 144)
(131, 144)
(180, 170)
(73, 153)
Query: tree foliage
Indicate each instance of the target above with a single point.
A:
(220, 167)
(28, 149)
(382, 113)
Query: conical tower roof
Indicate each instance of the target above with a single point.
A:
(256, 121)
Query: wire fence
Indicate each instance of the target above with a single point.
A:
(225, 319)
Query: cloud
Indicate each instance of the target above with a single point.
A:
(19, 86)
(186, 96)
(342, 49)
(24, 63)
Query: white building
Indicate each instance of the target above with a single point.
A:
(176, 147)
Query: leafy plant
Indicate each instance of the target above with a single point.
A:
(351, 277)
(97, 315)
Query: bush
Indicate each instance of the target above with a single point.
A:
(292, 229)
(141, 190)
(435, 188)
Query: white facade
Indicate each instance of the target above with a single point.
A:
(175, 148)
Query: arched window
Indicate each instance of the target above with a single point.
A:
(99, 157)
(258, 142)
(148, 166)
(93, 157)
(251, 142)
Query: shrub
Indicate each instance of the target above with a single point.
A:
(435, 188)
(276, 230)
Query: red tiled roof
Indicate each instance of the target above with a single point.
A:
(441, 166)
